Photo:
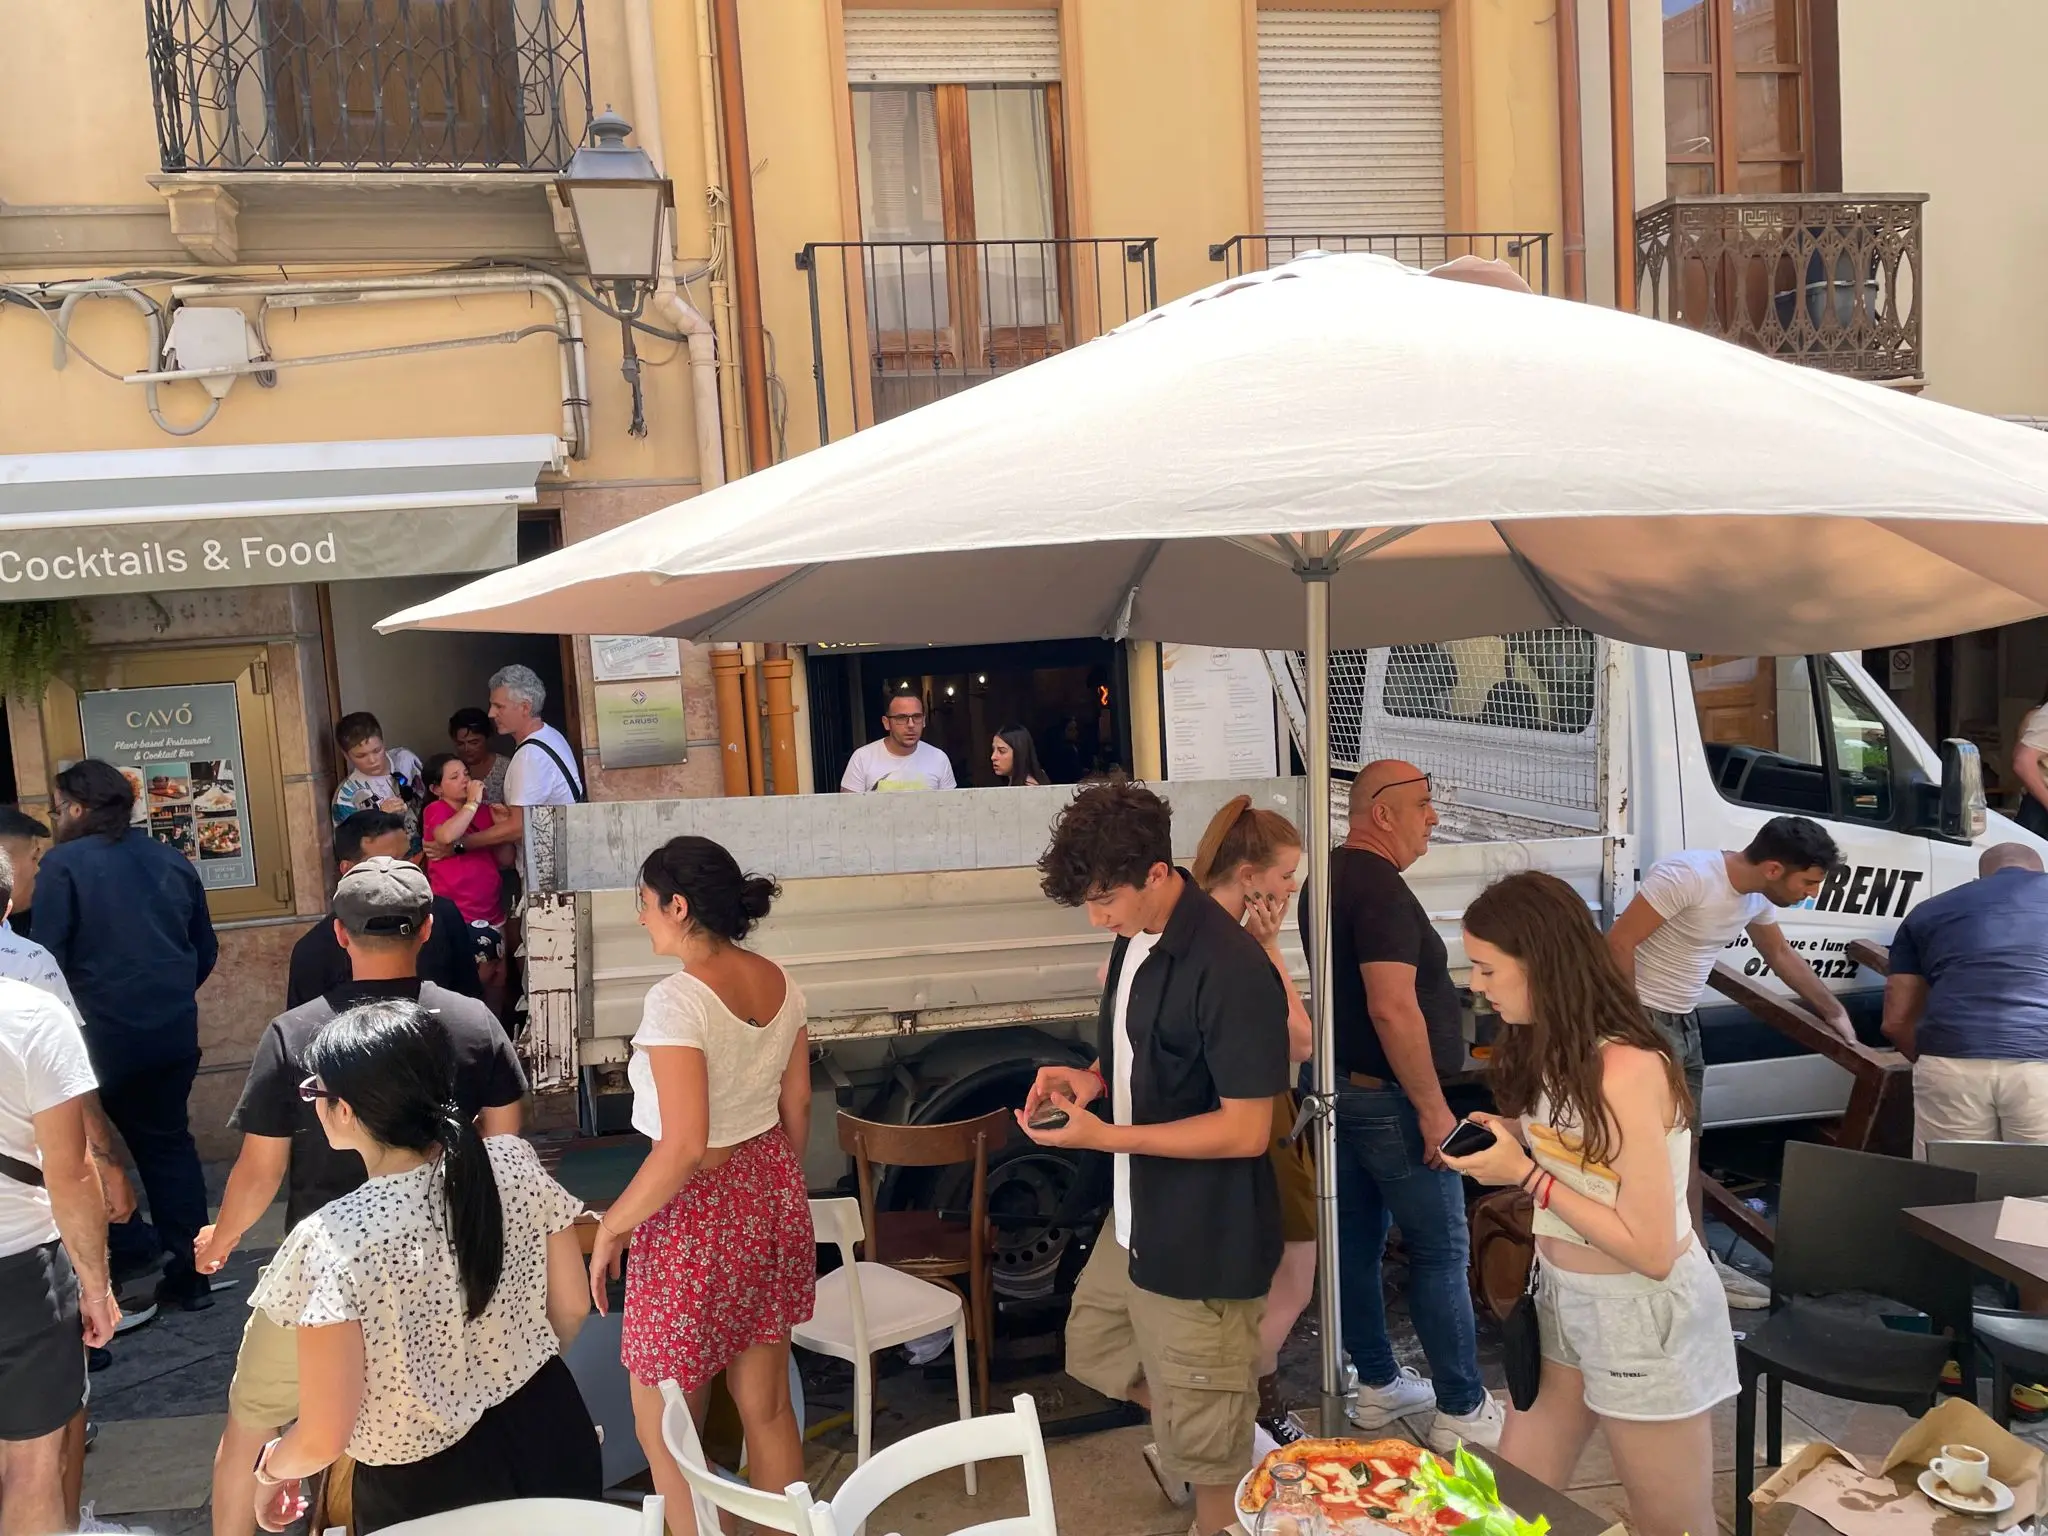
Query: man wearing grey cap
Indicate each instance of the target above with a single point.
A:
(383, 913)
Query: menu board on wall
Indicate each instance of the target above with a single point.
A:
(1218, 713)
(181, 749)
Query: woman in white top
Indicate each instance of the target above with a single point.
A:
(431, 1304)
(724, 1262)
(1634, 1327)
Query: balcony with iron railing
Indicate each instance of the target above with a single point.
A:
(383, 86)
(1828, 280)
(896, 324)
(1528, 254)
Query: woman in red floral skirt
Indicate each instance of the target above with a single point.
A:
(723, 1258)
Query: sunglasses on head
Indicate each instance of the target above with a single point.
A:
(310, 1092)
(1423, 780)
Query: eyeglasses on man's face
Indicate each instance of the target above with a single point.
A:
(900, 719)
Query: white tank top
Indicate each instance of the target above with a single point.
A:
(1555, 1146)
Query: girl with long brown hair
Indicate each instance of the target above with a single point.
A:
(1596, 1126)
(1249, 861)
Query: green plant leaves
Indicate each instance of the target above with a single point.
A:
(39, 642)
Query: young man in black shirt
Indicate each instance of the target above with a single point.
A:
(1399, 1028)
(319, 963)
(384, 917)
(1192, 1048)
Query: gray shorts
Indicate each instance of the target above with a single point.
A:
(1683, 1031)
(1649, 1350)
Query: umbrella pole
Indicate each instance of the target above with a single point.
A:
(1315, 574)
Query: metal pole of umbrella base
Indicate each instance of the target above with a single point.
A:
(1315, 571)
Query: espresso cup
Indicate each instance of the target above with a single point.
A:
(1962, 1467)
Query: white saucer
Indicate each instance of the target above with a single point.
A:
(1994, 1499)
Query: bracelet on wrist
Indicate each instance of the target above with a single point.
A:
(262, 1468)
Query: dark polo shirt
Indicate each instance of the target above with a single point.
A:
(1208, 1021)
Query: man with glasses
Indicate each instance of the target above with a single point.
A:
(383, 913)
(902, 759)
(1399, 1029)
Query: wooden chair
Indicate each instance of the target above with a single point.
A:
(931, 1244)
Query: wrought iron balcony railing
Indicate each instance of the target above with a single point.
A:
(1829, 280)
(911, 321)
(368, 85)
(1528, 254)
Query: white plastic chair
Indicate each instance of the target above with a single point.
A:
(541, 1517)
(897, 1466)
(789, 1510)
(864, 1307)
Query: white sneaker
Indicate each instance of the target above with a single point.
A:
(1740, 1289)
(1376, 1407)
(1480, 1427)
(1179, 1494)
(91, 1525)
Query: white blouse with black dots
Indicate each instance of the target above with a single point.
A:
(380, 1256)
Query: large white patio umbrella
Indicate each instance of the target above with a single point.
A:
(1343, 451)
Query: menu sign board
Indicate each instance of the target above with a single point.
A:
(1219, 714)
(180, 747)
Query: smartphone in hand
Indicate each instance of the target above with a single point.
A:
(1466, 1138)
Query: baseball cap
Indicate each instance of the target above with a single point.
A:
(385, 898)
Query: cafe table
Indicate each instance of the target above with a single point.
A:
(1967, 1232)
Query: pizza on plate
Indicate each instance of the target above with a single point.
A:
(1358, 1480)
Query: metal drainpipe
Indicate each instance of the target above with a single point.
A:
(779, 716)
(750, 714)
(667, 300)
(746, 261)
(722, 321)
(727, 667)
(1571, 151)
(1621, 109)
(572, 356)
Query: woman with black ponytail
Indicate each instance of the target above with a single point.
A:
(724, 1261)
(430, 1305)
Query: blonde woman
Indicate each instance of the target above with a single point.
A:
(1249, 862)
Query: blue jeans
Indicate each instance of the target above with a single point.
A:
(1381, 1177)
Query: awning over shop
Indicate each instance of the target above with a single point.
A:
(172, 519)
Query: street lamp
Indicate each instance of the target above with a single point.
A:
(617, 200)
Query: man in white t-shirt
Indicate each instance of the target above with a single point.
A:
(1692, 906)
(56, 1289)
(902, 759)
(543, 771)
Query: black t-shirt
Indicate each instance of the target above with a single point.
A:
(1208, 1021)
(1375, 917)
(448, 958)
(487, 1076)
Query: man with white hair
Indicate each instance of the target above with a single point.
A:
(1967, 1004)
(543, 771)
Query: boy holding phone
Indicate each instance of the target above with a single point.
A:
(1192, 1036)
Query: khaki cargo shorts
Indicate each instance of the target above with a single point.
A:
(1198, 1358)
(265, 1391)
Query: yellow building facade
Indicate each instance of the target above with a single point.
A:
(330, 236)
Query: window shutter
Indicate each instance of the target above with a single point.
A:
(1351, 121)
(952, 47)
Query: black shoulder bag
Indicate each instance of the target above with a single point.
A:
(1522, 1346)
(22, 1173)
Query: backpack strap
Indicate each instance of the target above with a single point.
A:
(575, 780)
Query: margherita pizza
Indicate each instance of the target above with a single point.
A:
(1358, 1480)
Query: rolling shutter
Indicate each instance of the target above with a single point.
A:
(952, 47)
(1351, 121)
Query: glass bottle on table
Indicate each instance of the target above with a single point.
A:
(1292, 1510)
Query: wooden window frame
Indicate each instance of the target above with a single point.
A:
(1725, 76)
